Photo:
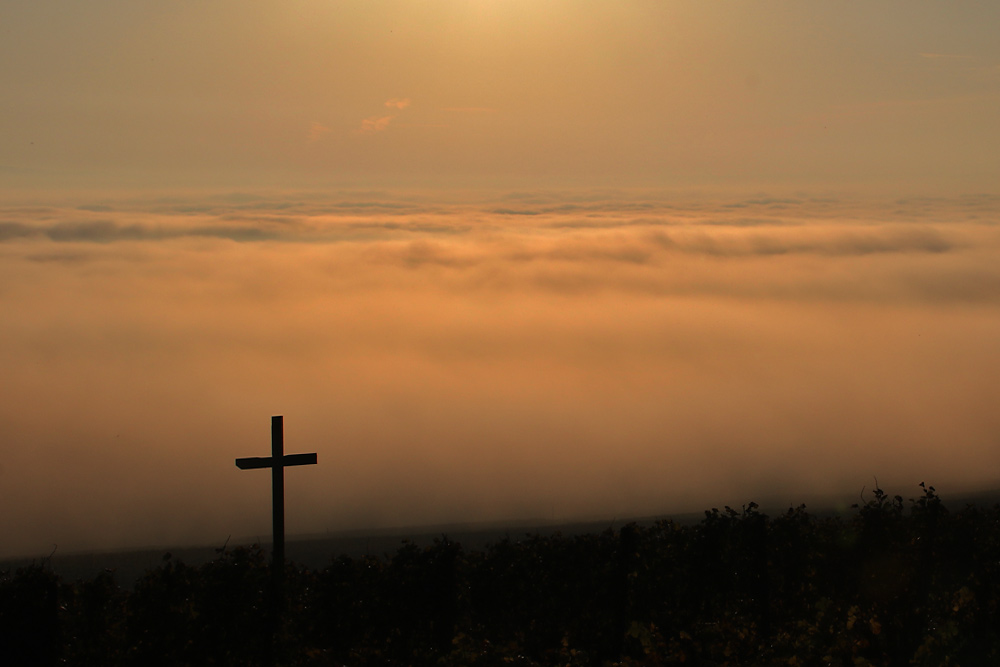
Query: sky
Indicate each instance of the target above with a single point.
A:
(491, 260)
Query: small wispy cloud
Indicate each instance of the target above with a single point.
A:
(317, 131)
(374, 124)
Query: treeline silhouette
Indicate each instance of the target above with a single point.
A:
(889, 583)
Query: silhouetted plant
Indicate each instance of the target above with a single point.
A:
(881, 586)
(29, 617)
(94, 618)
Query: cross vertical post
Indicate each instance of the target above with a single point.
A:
(278, 496)
(277, 462)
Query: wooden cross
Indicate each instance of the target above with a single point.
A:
(277, 462)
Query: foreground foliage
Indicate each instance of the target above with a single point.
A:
(891, 583)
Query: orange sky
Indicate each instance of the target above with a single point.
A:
(552, 355)
(490, 260)
(489, 93)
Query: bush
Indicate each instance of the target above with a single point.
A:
(889, 584)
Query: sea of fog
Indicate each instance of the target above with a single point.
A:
(470, 357)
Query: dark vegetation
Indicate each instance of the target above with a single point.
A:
(891, 583)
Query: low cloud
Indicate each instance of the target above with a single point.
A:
(450, 361)
(832, 242)
(13, 230)
(107, 231)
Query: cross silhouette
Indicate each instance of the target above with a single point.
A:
(277, 462)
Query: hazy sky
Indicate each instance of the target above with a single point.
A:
(490, 259)
(500, 93)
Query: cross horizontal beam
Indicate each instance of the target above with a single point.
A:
(268, 461)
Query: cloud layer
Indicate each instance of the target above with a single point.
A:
(478, 357)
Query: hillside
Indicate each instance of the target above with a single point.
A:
(893, 582)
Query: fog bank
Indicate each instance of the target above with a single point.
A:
(477, 357)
